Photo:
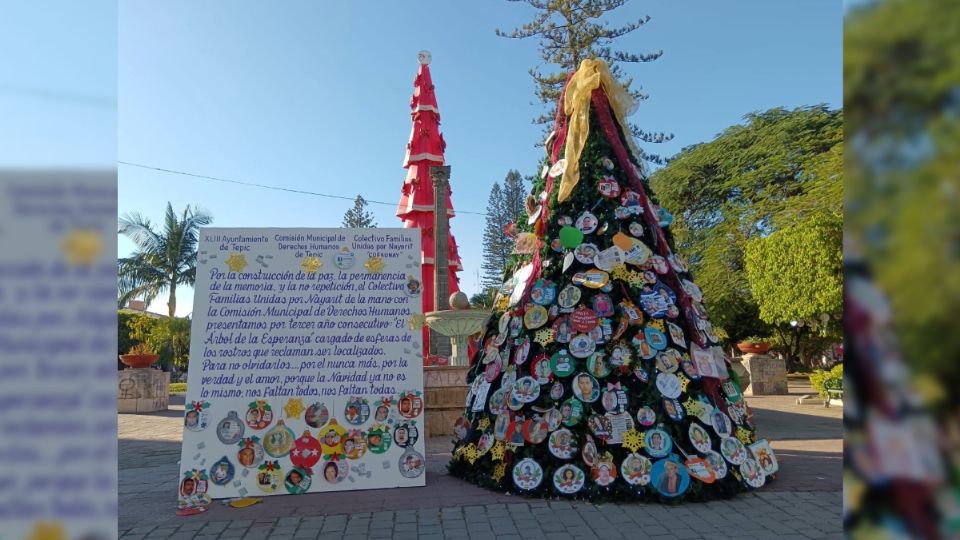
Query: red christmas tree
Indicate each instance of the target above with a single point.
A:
(425, 150)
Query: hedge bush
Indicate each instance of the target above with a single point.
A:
(827, 380)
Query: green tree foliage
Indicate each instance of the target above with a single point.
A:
(163, 259)
(570, 31)
(781, 167)
(901, 67)
(168, 338)
(796, 273)
(358, 217)
(505, 205)
(483, 299)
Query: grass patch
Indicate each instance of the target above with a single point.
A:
(178, 388)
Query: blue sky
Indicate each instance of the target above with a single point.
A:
(314, 96)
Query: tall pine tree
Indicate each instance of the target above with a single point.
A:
(571, 31)
(505, 205)
(358, 217)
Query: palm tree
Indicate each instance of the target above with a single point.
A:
(162, 260)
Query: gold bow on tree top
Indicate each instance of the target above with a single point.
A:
(576, 105)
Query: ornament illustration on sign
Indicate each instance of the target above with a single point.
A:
(331, 437)
(344, 259)
(278, 441)
(306, 451)
(230, 429)
(311, 265)
(195, 417)
(250, 454)
(297, 482)
(406, 434)
(294, 407)
(356, 411)
(527, 474)
(410, 404)
(221, 472)
(354, 444)
(269, 477)
(259, 414)
(335, 471)
(379, 439)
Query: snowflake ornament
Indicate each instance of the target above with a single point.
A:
(632, 440)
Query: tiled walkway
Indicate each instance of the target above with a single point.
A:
(803, 502)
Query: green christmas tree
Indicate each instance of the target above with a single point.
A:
(599, 375)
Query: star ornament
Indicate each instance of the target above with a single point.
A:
(693, 406)
(544, 336)
(498, 451)
(417, 321)
(745, 435)
(294, 407)
(632, 440)
(81, 246)
(499, 471)
(684, 381)
(311, 265)
(483, 424)
(375, 265)
(236, 262)
(471, 453)
(620, 272)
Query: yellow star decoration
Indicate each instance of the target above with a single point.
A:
(499, 470)
(693, 407)
(632, 440)
(375, 265)
(498, 451)
(658, 324)
(635, 279)
(417, 321)
(458, 453)
(81, 246)
(483, 424)
(745, 435)
(684, 381)
(544, 336)
(501, 304)
(471, 453)
(620, 272)
(310, 265)
(294, 407)
(236, 261)
(47, 531)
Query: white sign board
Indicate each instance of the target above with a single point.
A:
(305, 375)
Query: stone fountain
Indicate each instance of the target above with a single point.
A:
(445, 387)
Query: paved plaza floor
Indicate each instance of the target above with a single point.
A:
(803, 502)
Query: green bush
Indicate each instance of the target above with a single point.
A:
(827, 380)
(178, 388)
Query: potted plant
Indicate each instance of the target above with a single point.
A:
(139, 356)
(754, 345)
